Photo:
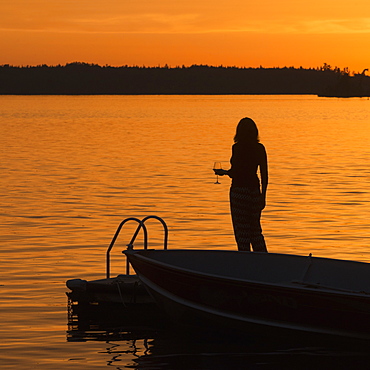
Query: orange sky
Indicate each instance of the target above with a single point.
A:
(147, 32)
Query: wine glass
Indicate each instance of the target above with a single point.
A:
(217, 166)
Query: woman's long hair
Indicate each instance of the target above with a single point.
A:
(246, 132)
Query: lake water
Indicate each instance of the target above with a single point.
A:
(73, 167)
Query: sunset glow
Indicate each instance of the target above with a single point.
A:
(116, 32)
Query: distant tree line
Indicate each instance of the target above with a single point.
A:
(92, 79)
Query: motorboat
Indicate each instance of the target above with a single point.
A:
(238, 291)
(267, 292)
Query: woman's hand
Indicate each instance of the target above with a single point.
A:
(220, 172)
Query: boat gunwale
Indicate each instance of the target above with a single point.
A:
(295, 285)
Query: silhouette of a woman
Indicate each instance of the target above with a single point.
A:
(247, 194)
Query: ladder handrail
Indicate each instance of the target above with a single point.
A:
(165, 228)
(131, 243)
(116, 236)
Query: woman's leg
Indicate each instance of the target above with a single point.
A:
(246, 216)
(239, 216)
(257, 239)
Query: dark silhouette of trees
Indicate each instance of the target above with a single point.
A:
(87, 79)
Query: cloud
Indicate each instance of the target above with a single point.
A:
(140, 23)
(302, 26)
(360, 25)
(137, 23)
(182, 23)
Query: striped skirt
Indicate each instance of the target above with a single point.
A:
(245, 206)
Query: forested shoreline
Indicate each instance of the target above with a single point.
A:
(92, 79)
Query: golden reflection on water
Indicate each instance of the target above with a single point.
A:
(74, 167)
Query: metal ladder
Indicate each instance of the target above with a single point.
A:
(130, 245)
